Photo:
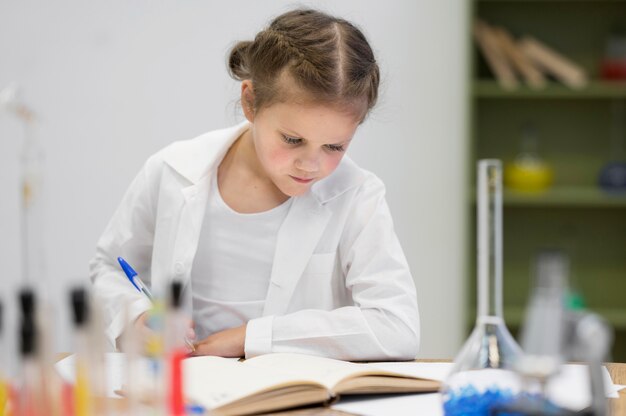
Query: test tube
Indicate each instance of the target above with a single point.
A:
(176, 349)
(52, 387)
(155, 351)
(97, 342)
(83, 395)
(30, 401)
(132, 347)
(4, 382)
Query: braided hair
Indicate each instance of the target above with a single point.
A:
(328, 58)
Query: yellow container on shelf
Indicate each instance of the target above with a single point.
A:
(528, 174)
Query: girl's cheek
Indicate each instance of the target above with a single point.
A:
(280, 156)
(333, 161)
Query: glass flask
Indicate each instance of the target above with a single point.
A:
(483, 375)
(542, 336)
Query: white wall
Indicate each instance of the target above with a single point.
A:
(115, 81)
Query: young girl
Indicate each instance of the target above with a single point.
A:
(284, 243)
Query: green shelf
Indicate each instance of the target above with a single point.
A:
(575, 135)
(564, 197)
(514, 316)
(594, 90)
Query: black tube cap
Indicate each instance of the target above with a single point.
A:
(28, 328)
(176, 290)
(27, 303)
(28, 338)
(80, 306)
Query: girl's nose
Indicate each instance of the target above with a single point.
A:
(308, 163)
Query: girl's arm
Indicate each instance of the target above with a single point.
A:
(383, 324)
(129, 234)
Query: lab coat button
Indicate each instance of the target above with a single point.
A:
(178, 268)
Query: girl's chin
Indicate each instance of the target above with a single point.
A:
(298, 190)
(293, 193)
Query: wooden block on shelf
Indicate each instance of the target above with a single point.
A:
(494, 55)
(521, 63)
(556, 64)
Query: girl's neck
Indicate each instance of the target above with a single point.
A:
(243, 157)
(242, 181)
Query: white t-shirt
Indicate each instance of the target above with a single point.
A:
(232, 267)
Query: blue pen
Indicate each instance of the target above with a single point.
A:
(132, 276)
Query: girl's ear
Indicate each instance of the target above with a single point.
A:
(247, 99)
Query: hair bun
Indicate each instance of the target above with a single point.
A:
(238, 61)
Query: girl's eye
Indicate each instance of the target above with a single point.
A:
(331, 147)
(291, 140)
(335, 147)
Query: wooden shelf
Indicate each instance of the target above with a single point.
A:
(594, 90)
(564, 197)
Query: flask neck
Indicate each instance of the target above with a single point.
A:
(489, 212)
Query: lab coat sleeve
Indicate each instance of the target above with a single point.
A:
(383, 323)
(129, 234)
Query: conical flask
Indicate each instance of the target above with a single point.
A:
(482, 375)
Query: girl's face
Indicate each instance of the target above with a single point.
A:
(298, 145)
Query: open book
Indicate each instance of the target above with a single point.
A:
(279, 381)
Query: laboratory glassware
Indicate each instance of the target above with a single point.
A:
(482, 375)
(32, 158)
(4, 382)
(555, 331)
(528, 172)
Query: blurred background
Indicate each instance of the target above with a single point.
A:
(114, 82)
(538, 84)
(547, 96)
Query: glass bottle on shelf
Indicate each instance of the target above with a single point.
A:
(482, 375)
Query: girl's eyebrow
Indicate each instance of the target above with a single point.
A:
(292, 134)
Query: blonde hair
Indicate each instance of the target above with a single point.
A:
(327, 57)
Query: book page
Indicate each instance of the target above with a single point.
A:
(426, 370)
(326, 371)
(323, 370)
(214, 381)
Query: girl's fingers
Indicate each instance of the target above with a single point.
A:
(190, 334)
(201, 349)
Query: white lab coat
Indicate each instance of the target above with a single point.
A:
(340, 285)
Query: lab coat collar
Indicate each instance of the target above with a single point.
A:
(215, 144)
(194, 159)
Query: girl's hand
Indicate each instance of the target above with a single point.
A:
(227, 343)
(142, 333)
